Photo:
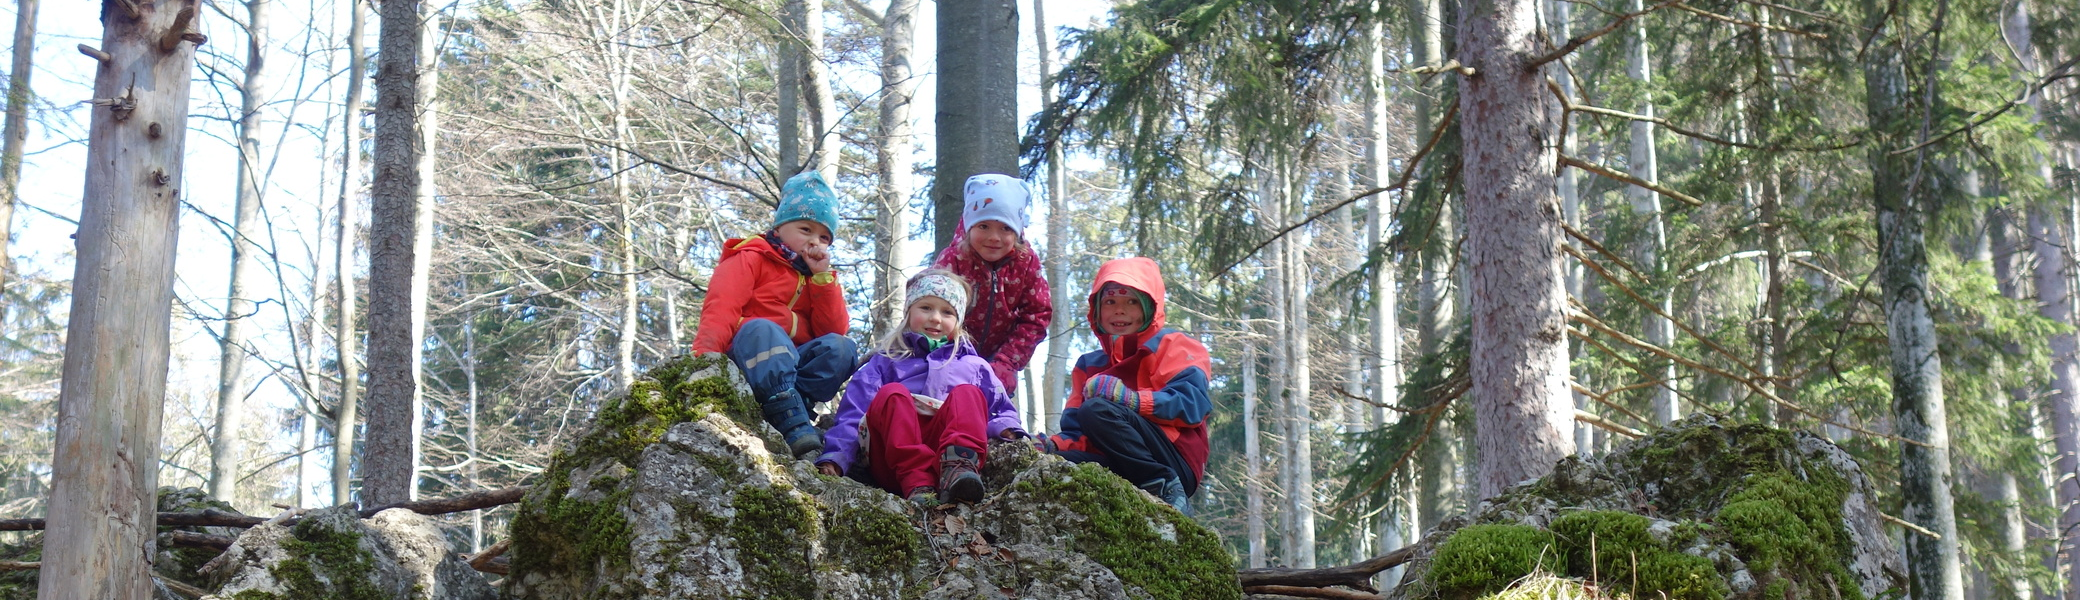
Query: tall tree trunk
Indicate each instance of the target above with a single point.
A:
(1277, 298)
(312, 394)
(1057, 374)
(1561, 24)
(16, 131)
(1903, 197)
(1645, 164)
(2006, 490)
(105, 467)
(1439, 462)
(892, 161)
(788, 82)
(429, 131)
(816, 87)
(393, 450)
(624, 202)
(1300, 404)
(345, 419)
(1253, 456)
(1523, 418)
(225, 447)
(977, 123)
(469, 373)
(1383, 362)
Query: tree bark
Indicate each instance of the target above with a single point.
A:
(104, 469)
(393, 450)
(892, 160)
(1523, 418)
(1383, 363)
(2006, 491)
(1645, 164)
(816, 86)
(1561, 24)
(1300, 404)
(345, 419)
(977, 122)
(788, 82)
(1253, 457)
(1903, 204)
(1057, 374)
(1438, 462)
(225, 447)
(624, 202)
(15, 134)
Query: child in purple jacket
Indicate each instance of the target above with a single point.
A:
(929, 403)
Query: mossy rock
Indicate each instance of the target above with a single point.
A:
(1700, 510)
(20, 585)
(184, 563)
(334, 554)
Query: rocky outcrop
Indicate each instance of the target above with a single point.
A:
(681, 491)
(1701, 510)
(333, 553)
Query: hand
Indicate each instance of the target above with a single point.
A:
(818, 257)
(926, 405)
(1107, 387)
(829, 468)
(1012, 434)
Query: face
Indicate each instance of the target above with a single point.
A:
(933, 317)
(1120, 315)
(992, 240)
(808, 238)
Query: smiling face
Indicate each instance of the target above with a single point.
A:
(1121, 314)
(933, 317)
(807, 238)
(992, 240)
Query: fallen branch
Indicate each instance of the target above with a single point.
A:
(189, 539)
(1604, 424)
(1622, 177)
(1357, 575)
(484, 559)
(205, 518)
(181, 588)
(497, 566)
(469, 501)
(10, 565)
(1910, 526)
(1308, 592)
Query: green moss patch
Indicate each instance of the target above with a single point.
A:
(316, 548)
(1122, 535)
(1790, 531)
(1616, 551)
(872, 541)
(21, 585)
(1482, 559)
(772, 530)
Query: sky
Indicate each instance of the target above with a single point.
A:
(304, 93)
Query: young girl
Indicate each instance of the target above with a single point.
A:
(1012, 305)
(929, 403)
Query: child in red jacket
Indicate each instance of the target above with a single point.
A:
(1009, 312)
(1138, 405)
(775, 307)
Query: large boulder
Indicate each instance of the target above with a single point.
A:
(333, 553)
(171, 562)
(1700, 510)
(681, 491)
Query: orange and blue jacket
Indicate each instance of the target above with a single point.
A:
(1167, 369)
(752, 281)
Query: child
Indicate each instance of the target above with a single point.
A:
(928, 401)
(1012, 306)
(1138, 405)
(775, 307)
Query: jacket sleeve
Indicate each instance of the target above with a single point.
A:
(1182, 367)
(1003, 414)
(723, 310)
(1031, 313)
(1071, 435)
(825, 300)
(841, 443)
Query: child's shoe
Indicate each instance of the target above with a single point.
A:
(786, 412)
(1171, 491)
(958, 479)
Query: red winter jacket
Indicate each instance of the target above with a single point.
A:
(752, 281)
(1010, 309)
(1167, 370)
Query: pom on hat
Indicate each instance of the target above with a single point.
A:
(993, 197)
(807, 197)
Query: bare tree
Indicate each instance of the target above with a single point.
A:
(104, 469)
(1300, 404)
(347, 336)
(1523, 418)
(1057, 375)
(977, 123)
(226, 446)
(389, 464)
(16, 131)
(1253, 479)
(816, 87)
(892, 161)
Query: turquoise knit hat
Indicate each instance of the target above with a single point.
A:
(807, 197)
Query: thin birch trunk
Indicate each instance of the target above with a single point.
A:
(1523, 418)
(893, 161)
(816, 86)
(1645, 164)
(104, 468)
(16, 131)
(344, 421)
(624, 202)
(226, 446)
(1382, 364)
(1064, 318)
(1253, 481)
(393, 395)
(1300, 404)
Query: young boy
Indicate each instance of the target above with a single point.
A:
(1011, 303)
(1138, 405)
(775, 307)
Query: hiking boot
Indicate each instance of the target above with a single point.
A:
(786, 412)
(1171, 491)
(924, 496)
(958, 479)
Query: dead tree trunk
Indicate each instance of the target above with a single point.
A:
(345, 420)
(225, 447)
(105, 467)
(1523, 418)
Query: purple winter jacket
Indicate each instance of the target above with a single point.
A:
(932, 374)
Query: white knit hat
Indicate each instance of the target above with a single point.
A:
(993, 197)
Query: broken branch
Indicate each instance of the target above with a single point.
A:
(1657, 188)
(1356, 575)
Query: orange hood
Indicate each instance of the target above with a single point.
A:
(1141, 274)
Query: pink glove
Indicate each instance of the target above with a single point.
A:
(1107, 387)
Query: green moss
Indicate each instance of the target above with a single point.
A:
(1617, 551)
(1483, 559)
(872, 541)
(625, 425)
(771, 530)
(254, 595)
(563, 534)
(326, 563)
(21, 585)
(1789, 530)
(1124, 537)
